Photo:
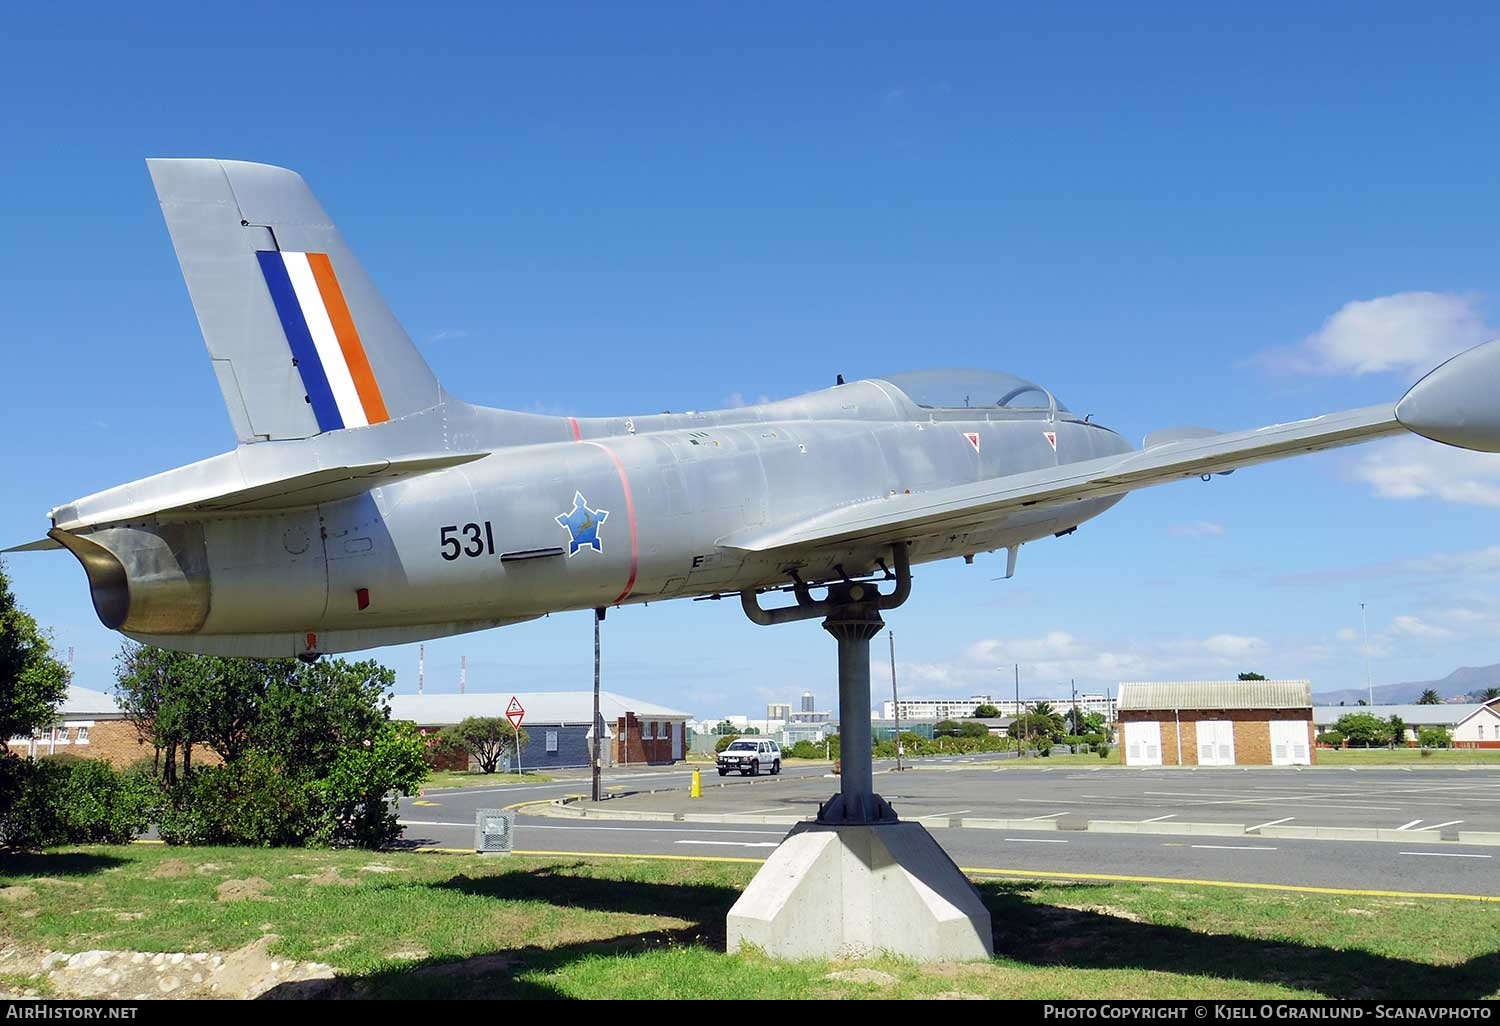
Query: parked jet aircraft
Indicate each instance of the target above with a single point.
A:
(366, 506)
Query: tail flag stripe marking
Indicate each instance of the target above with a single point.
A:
(349, 340)
(327, 343)
(299, 337)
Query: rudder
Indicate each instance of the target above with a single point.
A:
(301, 341)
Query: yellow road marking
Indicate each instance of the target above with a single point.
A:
(534, 801)
(1037, 874)
(423, 801)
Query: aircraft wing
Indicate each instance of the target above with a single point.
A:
(910, 516)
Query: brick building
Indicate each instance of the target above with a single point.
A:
(1217, 723)
(89, 724)
(557, 723)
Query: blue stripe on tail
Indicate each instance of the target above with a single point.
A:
(314, 378)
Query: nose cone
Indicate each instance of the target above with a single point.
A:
(1459, 402)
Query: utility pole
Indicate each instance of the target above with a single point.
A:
(895, 701)
(598, 723)
(1364, 624)
(1018, 707)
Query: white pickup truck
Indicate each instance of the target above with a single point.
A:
(750, 755)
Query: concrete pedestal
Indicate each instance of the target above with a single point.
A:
(851, 891)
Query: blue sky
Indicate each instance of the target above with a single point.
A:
(1169, 214)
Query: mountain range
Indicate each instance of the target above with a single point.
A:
(1455, 686)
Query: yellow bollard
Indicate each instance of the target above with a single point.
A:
(696, 791)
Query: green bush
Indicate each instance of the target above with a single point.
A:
(355, 805)
(73, 801)
(805, 750)
(103, 806)
(1103, 751)
(249, 802)
(1332, 738)
(1434, 737)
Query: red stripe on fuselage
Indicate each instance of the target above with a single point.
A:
(573, 424)
(635, 545)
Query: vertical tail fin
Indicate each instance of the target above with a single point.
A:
(301, 341)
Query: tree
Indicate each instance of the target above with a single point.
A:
(32, 683)
(313, 712)
(1036, 726)
(969, 728)
(158, 690)
(1489, 694)
(724, 728)
(1250, 676)
(1080, 722)
(986, 712)
(1430, 697)
(487, 739)
(1364, 729)
(1398, 730)
(945, 728)
(1434, 737)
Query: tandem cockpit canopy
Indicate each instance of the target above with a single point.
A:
(973, 389)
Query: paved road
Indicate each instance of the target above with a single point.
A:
(1422, 865)
(1441, 801)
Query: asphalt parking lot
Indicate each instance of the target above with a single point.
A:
(1035, 821)
(1441, 802)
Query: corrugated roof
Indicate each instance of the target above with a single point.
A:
(1215, 694)
(87, 702)
(540, 706)
(1413, 715)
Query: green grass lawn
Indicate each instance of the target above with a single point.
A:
(473, 778)
(424, 925)
(1409, 756)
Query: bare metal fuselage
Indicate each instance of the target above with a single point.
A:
(481, 544)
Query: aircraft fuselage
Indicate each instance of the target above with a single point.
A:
(613, 511)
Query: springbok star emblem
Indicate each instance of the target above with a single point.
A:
(582, 525)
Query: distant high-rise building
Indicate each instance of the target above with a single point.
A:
(779, 711)
(807, 702)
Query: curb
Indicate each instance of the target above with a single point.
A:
(1118, 826)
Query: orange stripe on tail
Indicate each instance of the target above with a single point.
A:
(348, 336)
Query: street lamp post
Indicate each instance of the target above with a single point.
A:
(1369, 687)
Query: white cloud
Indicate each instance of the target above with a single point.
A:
(447, 334)
(1412, 627)
(1232, 646)
(1404, 332)
(1346, 635)
(1414, 468)
(1199, 529)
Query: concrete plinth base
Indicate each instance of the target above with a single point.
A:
(851, 891)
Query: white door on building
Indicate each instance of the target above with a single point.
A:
(1289, 743)
(1143, 744)
(678, 730)
(1215, 743)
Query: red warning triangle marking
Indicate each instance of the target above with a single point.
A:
(1051, 437)
(973, 437)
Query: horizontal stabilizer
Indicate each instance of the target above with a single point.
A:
(328, 485)
(40, 545)
(225, 484)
